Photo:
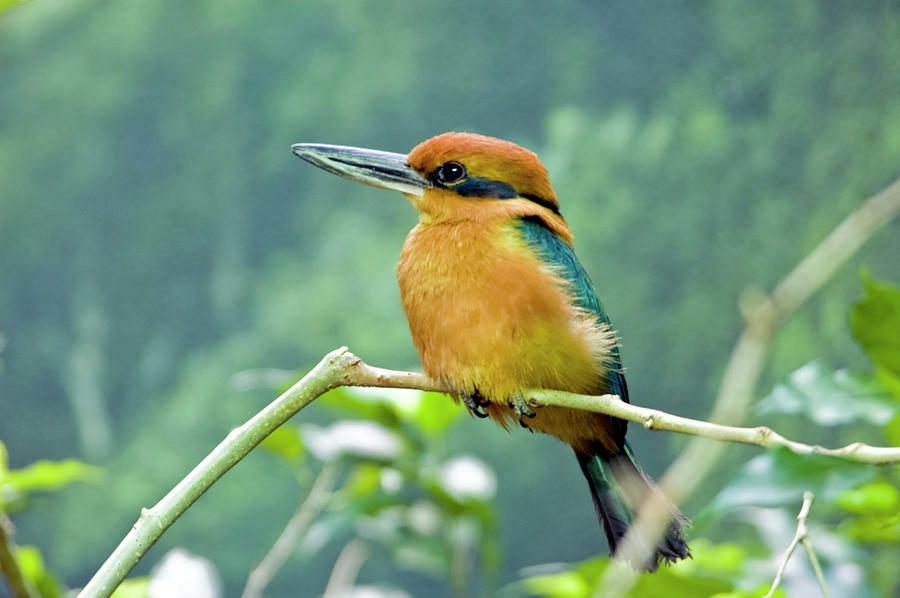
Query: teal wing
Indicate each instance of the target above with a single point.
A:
(560, 254)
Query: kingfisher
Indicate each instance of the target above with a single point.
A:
(498, 303)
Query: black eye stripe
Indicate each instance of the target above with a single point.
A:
(474, 186)
(480, 187)
(541, 202)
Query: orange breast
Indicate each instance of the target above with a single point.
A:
(486, 314)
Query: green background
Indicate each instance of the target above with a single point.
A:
(157, 236)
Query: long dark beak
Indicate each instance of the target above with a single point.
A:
(371, 167)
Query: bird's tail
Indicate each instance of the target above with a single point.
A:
(618, 485)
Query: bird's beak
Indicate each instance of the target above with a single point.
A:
(371, 167)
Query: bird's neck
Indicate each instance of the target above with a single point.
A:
(443, 208)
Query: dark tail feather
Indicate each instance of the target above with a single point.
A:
(618, 485)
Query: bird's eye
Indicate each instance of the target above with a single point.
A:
(451, 172)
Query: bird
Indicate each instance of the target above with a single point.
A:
(498, 303)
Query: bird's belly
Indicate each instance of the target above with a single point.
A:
(473, 351)
(499, 324)
(492, 321)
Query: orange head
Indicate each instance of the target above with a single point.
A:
(476, 166)
(448, 176)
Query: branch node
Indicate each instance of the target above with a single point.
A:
(763, 433)
(649, 423)
(750, 301)
(853, 447)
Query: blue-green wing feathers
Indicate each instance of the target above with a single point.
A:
(553, 250)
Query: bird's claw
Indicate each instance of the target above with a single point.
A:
(476, 404)
(520, 406)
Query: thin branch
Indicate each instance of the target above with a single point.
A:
(346, 568)
(652, 419)
(316, 501)
(764, 317)
(19, 585)
(761, 436)
(817, 568)
(240, 441)
(800, 537)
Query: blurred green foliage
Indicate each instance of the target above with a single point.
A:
(17, 484)
(430, 510)
(31, 563)
(714, 572)
(157, 239)
(876, 321)
(20, 486)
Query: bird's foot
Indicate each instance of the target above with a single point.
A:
(476, 404)
(520, 406)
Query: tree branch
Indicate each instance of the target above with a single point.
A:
(342, 368)
(801, 537)
(762, 436)
(315, 502)
(346, 568)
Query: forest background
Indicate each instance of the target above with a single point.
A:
(166, 266)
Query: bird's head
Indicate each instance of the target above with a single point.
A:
(450, 176)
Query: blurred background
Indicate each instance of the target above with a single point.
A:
(167, 266)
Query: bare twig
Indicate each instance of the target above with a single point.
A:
(316, 500)
(346, 568)
(817, 568)
(153, 522)
(761, 436)
(800, 537)
(764, 316)
(19, 586)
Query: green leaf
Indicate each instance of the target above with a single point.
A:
(137, 587)
(431, 412)
(682, 580)
(666, 583)
(756, 592)
(566, 584)
(31, 563)
(436, 412)
(873, 528)
(830, 398)
(286, 442)
(4, 460)
(364, 481)
(890, 381)
(720, 561)
(7, 4)
(875, 321)
(892, 432)
(44, 475)
(876, 498)
(364, 404)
